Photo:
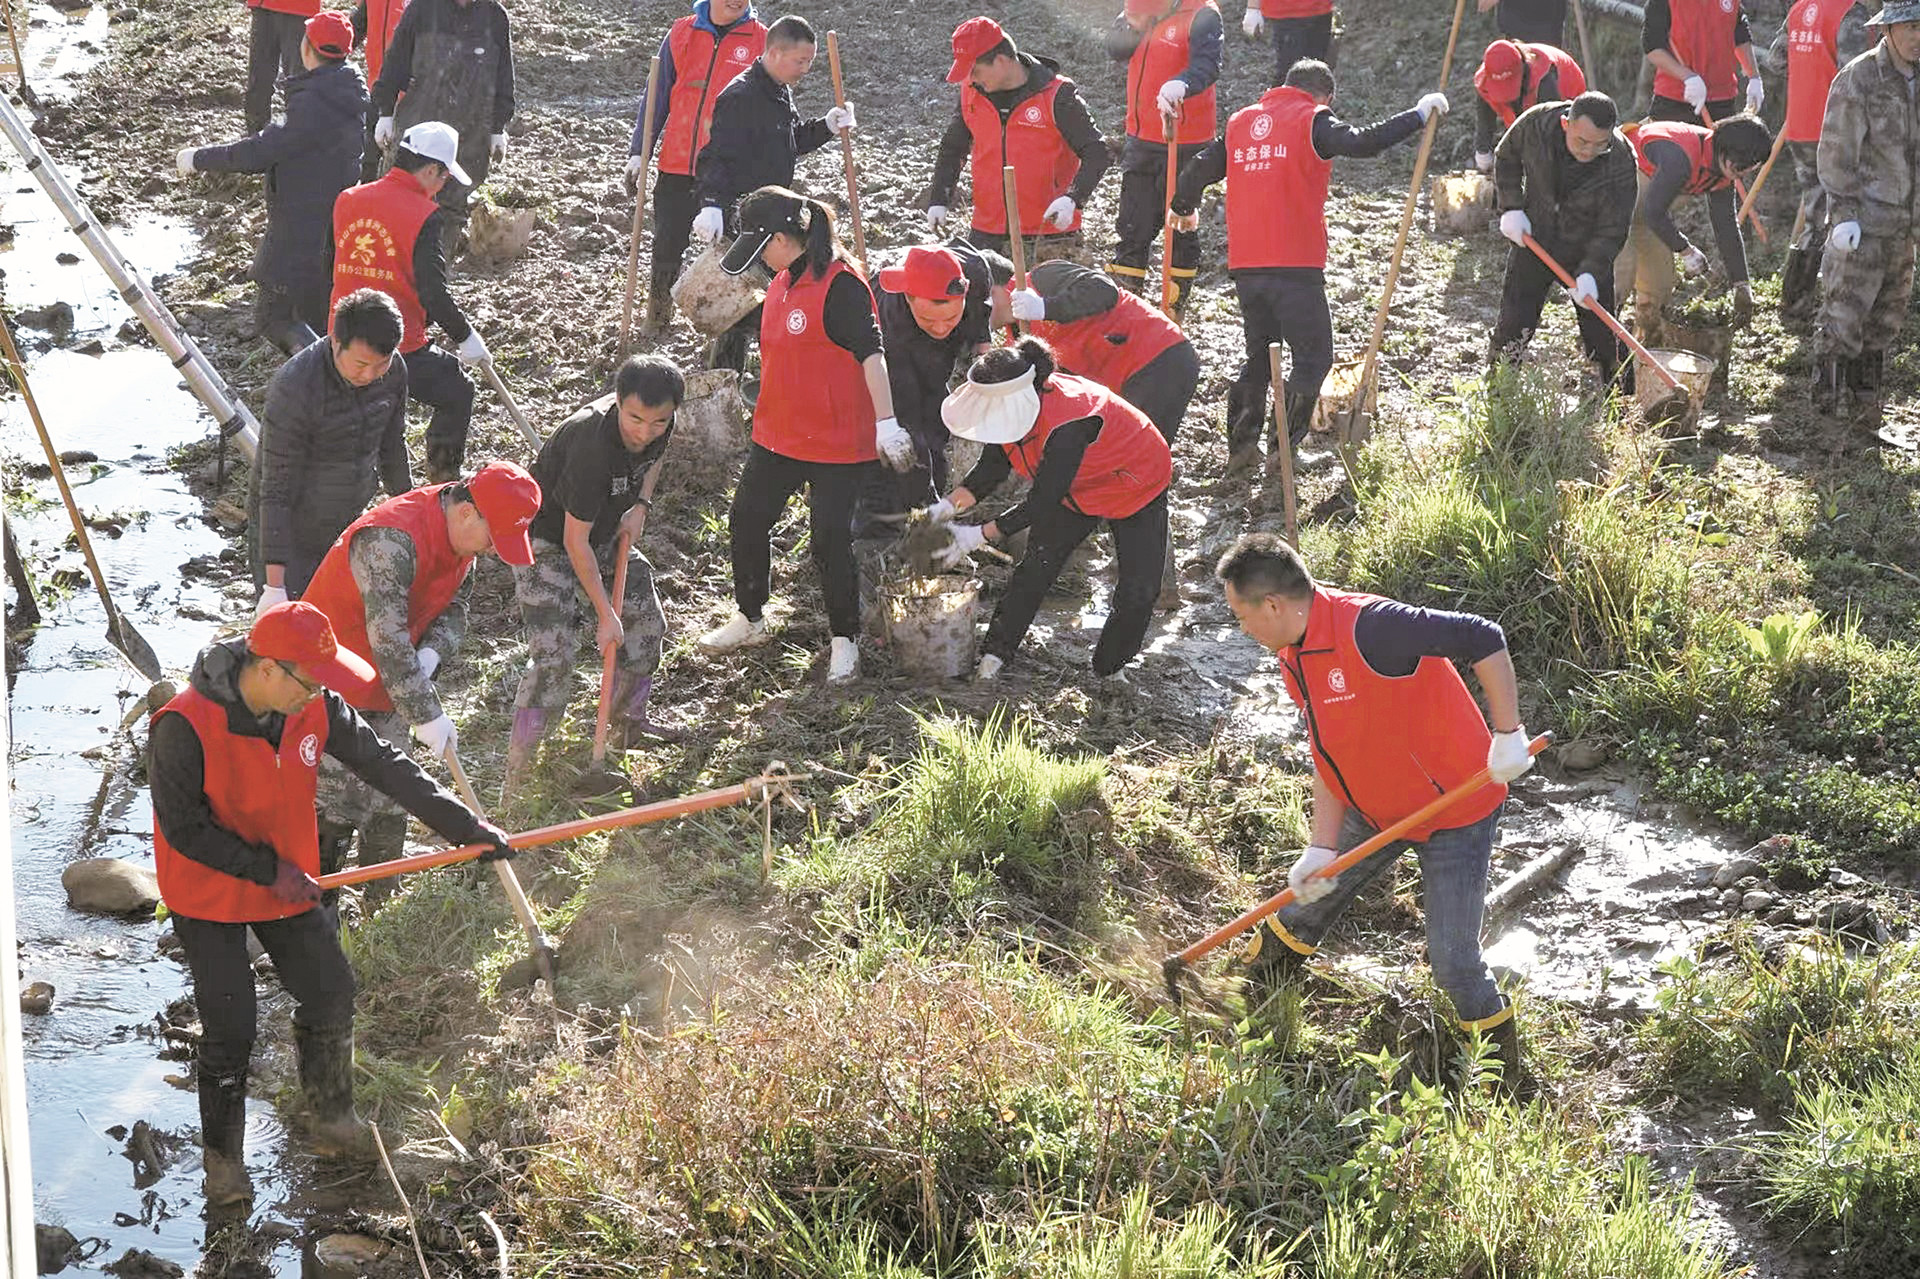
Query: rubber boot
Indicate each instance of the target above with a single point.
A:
(631, 723)
(382, 839)
(1863, 379)
(325, 1056)
(1243, 432)
(1131, 278)
(1274, 961)
(1503, 1033)
(1182, 278)
(659, 313)
(443, 463)
(1825, 394)
(223, 1136)
(1300, 407)
(336, 842)
(1800, 284)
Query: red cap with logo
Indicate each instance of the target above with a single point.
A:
(299, 634)
(927, 272)
(971, 40)
(330, 34)
(1498, 79)
(508, 499)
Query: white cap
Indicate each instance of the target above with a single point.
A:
(436, 141)
(993, 412)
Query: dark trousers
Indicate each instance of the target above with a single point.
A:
(1535, 21)
(766, 482)
(1524, 294)
(435, 379)
(1286, 304)
(674, 207)
(889, 492)
(1163, 389)
(273, 50)
(1675, 111)
(1143, 211)
(1297, 38)
(1139, 546)
(292, 318)
(306, 957)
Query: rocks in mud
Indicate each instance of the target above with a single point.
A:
(1581, 756)
(53, 1248)
(1732, 872)
(138, 1263)
(347, 1256)
(56, 318)
(1755, 900)
(109, 886)
(36, 1000)
(66, 259)
(1852, 916)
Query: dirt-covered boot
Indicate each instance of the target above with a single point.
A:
(659, 313)
(530, 724)
(325, 1057)
(631, 723)
(223, 1136)
(1182, 280)
(1863, 379)
(1243, 432)
(443, 462)
(1503, 1032)
(1300, 407)
(1825, 393)
(1275, 959)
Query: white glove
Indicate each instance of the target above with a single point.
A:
(437, 735)
(1693, 261)
(1027, 305)
(1059, 214)
(709, 223)
(967, 538)
(894, 444)
(429, 659)
(472, 350)
(1695, 92)
(940, 512)
(1756, 95)
(1429, 104)
(840, 119)
(497, 147)
(1305, 880)
(383, 133)
(1171, 95)
(1483, 161)
(1516, 225)
(636, 173)
(1254, 20)
(936, 216)
(1585, 289)
(184, 161)
(269, 596)
(1845, 237)
(1507, 755)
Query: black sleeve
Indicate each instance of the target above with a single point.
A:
(955, 144)
(396, 69)
(1120, 40)
(811, 135)
(1073, 292)
(1485, 125)
(1393, 637)
(848, 315)
(1334, 138)
(392, 772)
(1723, 209)
(989, 473)
(1656, 29)
(1743, 33)
(177, 779)
(1076, 126)
(359, 20)
(1208, 166)
(1066, 447)
(1206, 45)
(503, 102)
(728, 137)
(1671, 169)
(396, 474)
(430, 281)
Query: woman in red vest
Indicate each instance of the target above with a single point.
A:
(233, 762)
(1090, 457)
(823, 417)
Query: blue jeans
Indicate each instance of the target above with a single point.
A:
(1453, 895)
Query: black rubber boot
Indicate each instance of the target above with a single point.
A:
(1863, 377)
(223, 1137)
(1272, 964)
(1826, 384)
(325, 1056)
(659, 313)
(1516, 1080)
(1243, 431)
(1300, 407)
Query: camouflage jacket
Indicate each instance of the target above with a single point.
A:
(1870, 144)
(383, 566)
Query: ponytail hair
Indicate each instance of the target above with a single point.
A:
(1003, 364)
(823, 248)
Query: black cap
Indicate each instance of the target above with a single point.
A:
(763, 214)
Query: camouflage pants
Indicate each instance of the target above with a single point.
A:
(1812, 215)
(1863, 294)
(345, 800)
(552, 609)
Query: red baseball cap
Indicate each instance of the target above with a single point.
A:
(971, 40)
(1498, 79)
(508, 499)
(330, 34)
(927, 272)
(298, 633)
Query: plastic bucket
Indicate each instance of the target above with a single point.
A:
(714, 301)
(930, 624)
(1658, 402)
(1462, 202)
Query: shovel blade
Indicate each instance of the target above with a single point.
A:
(133, 646)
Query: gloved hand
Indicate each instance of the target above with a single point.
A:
(383, 133)
(1585, 288)
(1171, 95)
(1483, 161)
(1305, 880)
(497, 147)
(1429, 104)
(940, 512)
(429, 659)
(709, 224)
(294, 886)
(895, 445)
(840, 119)
(1742, 304)
(1184, 221)
(1059, 214)
(1254, 21)
(1694, 91)
(1507, 755)
(967, 538)
(1027, 305)
(184, 161)
(936, 216)
(1516, 225)
(1845, 236)
(1756, 95)
(438, 735)
(269, 596)
(609, 631)
(472, 349)
(636, 173)
(1693, 261)
(501, 851)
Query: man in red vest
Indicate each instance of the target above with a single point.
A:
(699, 56)
(1277, 158)
(1513, 76)
(1301, 29)
(1816, 40)
(1392, 727)
(274, 32)
(1695, 48)
(387, 236)
(1016, 108)
(233, 763)
(391, 587)
(1172, 49)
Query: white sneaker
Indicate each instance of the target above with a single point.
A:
(843, 660)
(989, 668)
(739, 632)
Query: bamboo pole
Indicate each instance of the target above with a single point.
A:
(639, 213)
(846, 152)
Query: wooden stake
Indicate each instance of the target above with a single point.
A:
(639, 212)
(1760, 179)
(1283, 449)
(846, 153)
(1016, 242)
(1168, 290)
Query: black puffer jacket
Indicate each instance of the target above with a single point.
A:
(757, 135)
(1580, 212)
(309, 159)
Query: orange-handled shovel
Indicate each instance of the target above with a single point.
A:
(1619, 329)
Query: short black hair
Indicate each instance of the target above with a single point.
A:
(1005, 49)
(1742, 140)
(408, 161)
(1596, 108)
(654, 378)
(1263, 564)
(370, 316)
(792, 29)
(1313, 75)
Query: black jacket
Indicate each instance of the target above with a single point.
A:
(309, 159)
(1580, 212)
(757, 136)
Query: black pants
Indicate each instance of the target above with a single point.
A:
(273, 50)
(1163, 389)
(1285, 304)
(1140, 547)
(674, 207)
(1535, 21)
(1297, 38)
(435, 379)
(766, 482)
(292, 316)
(306, 957)
(1143, 211)
(1524, 294)
(1675, 111)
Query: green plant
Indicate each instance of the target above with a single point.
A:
(1781, 641)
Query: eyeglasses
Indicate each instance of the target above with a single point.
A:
(312, 690)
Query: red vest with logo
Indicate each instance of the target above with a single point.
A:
(1161, 56)
(1702, 38)
(262, 795)
(702, 66)
(1694, 139)
(1813, 59)
(814, 405)
(1276, 184)
(1115, 345)
(1128, 464)
(438, 571)
(1032, 143)
(374, 228)
(383, 16)
(1295, 8)
(298, 8)
(1388, 746)
(1541, 60)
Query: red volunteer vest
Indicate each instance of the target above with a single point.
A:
(383, 16)
(1813, 59)
(1276, 184)
(298, 8)
(702, 66)
(814, 405)
(1541, 59)
(1160, 56)
(1112, 347)
(1386, 746)
(260, 794)
(374, 228)
(1128, 465)
(1702, 38)
(1031, 142)
(1695, 140)
(438, 572)
(1295, 8)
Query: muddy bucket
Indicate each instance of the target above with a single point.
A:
(1713, 341)
(1658, 403)
(1462, 202)
(710, 426)
(714, 301)
(930, 624)
(498, 234)
(1337, 394)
